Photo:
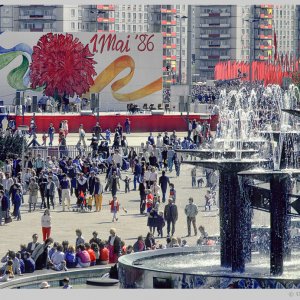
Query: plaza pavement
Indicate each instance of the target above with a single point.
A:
(129, 226)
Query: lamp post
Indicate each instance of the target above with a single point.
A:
(180, 46)
(252, 45)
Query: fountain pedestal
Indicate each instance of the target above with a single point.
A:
(279, 209)
(235, 212)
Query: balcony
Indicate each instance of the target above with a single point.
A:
(264, 47)
(263, 26)
(168, 34)
(261, 57)
(225, 57)
(37, 17)
(169, 46)
(169, 57)
(102, 30)
(168, 11)
(106, 7)
(266, 16)
(267, 6)
(215, 14)
(105, 20)
(265, 37)
(165, 22)
(215, 25)
(208, 68)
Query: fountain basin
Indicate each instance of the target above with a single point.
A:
(193, 267)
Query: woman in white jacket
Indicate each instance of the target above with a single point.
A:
(46, 224)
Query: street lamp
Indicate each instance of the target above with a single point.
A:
(180, 46)
(251, 21)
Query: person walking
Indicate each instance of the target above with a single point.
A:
(127, 126)
(46, 224)
(33, 189)
(163, 182)
(191, 212)
(194, 174)
(50, 192)
(171, 216)
(81, 140)
(51, 131)
(65, 191)
(98, 193)
(114, 208)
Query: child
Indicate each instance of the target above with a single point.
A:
(200, 182)
(127, 181)
(107, 134)
(90, 202)
(80, 238)
(114, 208)
(44, 138)
(160, 223)
(9, 269)
(172, 192)
(149, 201)
(66, 281)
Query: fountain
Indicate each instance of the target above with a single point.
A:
(243, 122)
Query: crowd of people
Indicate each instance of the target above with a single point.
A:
(62, 256)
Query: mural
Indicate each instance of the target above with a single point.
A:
(122, 67)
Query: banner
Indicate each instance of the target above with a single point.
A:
(122, 67)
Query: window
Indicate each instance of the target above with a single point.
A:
(134, 16)
(123, 15)
(128, 28)
(80, 13)
(87, 26)
(134, 28)
(79, 26)
(73, 25)
(73, 13)
(129, 16)
(123, 27)
(47, 25)
(117, 27)
(140, 28)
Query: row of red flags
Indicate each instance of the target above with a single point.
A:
(269, 72)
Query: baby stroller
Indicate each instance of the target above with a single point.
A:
(81, 202)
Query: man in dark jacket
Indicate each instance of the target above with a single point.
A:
(114, 246)
(171, 216)
(4, 203)
(31, 246)
(137, 173)
(163, 182)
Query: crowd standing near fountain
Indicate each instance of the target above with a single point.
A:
(245, 116)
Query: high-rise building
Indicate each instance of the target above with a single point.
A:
(213, 37)
(285, 26)
(46, 18)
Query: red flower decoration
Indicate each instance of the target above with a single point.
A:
(62, 64)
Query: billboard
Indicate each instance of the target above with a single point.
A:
(122, 67)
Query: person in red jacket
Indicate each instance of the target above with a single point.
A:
(91, 253)
(114, 207)
(104, 254)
